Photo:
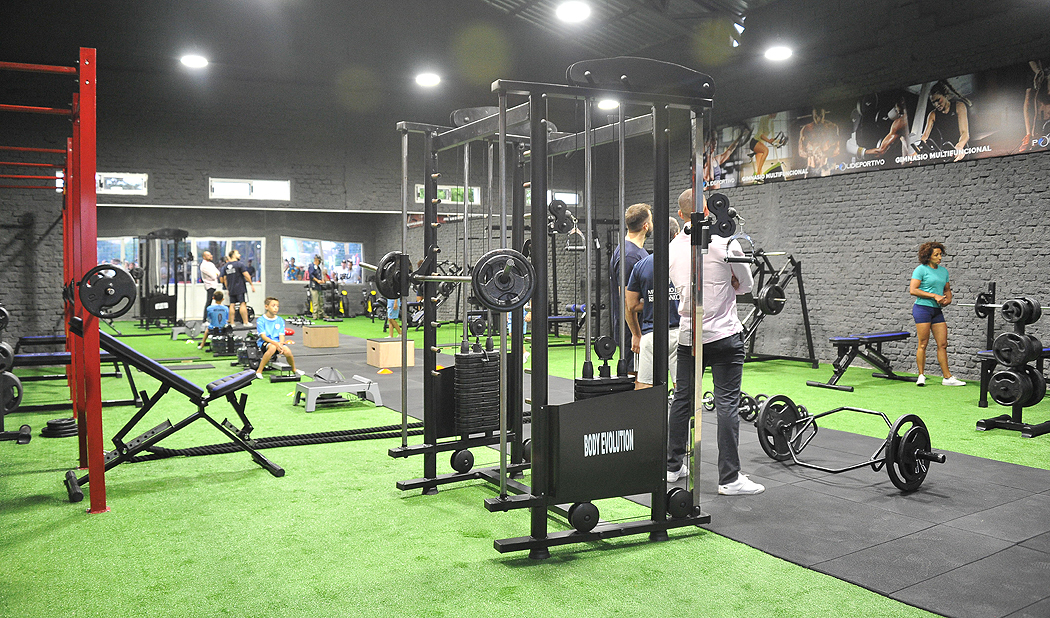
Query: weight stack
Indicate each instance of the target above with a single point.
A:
(588, 388)
(477, 389)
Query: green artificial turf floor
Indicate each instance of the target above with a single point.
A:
(218, 535)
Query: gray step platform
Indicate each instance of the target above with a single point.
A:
(363, 387)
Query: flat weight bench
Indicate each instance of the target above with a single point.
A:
(325, 392)
(988, 364)
(224, 387)
(31, 340)
(869, 347)
(51, 359)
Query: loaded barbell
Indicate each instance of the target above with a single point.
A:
(502, 279)
(1024, 310)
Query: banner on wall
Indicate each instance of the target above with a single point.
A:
(976, 116)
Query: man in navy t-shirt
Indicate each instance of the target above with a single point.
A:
(236, 279)
(639, 221)
(640, 299)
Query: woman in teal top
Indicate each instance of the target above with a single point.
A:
(930, 287)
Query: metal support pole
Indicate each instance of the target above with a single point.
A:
(699, 243)
(661, 187)
(466, 235)
(588, 186)
(404, 299)
(431, 393)
(82, 184)
(621, 367)
(506, 387)
(541, 446)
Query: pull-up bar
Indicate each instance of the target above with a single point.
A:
(37, 68)
(29, 109)
(60, 151)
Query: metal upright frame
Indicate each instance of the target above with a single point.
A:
(80, 252)
(542, 496)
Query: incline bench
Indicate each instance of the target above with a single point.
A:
(869, 347)
(223, 387)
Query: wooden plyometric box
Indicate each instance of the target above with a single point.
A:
(321, 336)
(387, 353)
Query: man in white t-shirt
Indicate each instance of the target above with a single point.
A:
(723, 352)
(210, 276)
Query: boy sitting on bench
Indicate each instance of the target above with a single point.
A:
(270, 327)
(218, 316)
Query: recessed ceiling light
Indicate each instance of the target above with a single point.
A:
(573, 11)
(778, 52)
(428, 80)
(194, 61)
(608, 104)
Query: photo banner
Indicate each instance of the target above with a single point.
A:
(991, 114)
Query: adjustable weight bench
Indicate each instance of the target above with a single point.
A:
(869, 347)
(222, 388)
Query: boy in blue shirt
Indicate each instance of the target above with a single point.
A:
(218, 315)
(270, 327)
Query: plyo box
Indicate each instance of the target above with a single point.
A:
(387, 353)
(321, 336)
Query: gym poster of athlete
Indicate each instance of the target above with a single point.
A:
(991, 114)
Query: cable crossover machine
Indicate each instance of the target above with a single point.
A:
(609, 441)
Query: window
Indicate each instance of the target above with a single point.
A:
(121, 183)
(341, 260)
(120, 251)
(238, 189)
(450, 194)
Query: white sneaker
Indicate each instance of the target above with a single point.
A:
(921, 381)
(953, 381)
(680, 474)
(742, 486)
(300, 372)
(258, 375)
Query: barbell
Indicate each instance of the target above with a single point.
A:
(1025, 310)
(502, 279)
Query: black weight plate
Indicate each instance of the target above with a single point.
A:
(7, 356)
(1015, 310)
(388, 275)
(107, 291)
(462, 461)
(907, 472)
(1038, 386)
(768, 299)
(707, 402)
(980, 306)
(605, 347)
(10, 392)
(748, 408)
(775, 420)
(1014, 350)
(503, 280)
(5, 317)
(60, 423)
(584, 517)
(679, 502)
(1009, 387)
(1035, 309)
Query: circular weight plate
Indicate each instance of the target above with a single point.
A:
(462, 461)
(10, 392)
(477, 326)
(748, 408)
(1009, 387)
(1015, 310)
(770, 299)
(775, 419)
(980, 306)
(503, 280)
(388, 275)
(1013, 349)
(1038, 386)
(526, 248)
(761, 398)
(679, 503)
(526, 450)
(107, 291)
(557, 208)
(58, 423)
(7, 356)
(707, 403)
(5, 317)
(584, 516)
(906, 471)
(1035, 309)
(605, 347)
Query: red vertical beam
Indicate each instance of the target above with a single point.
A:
(82, 186)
